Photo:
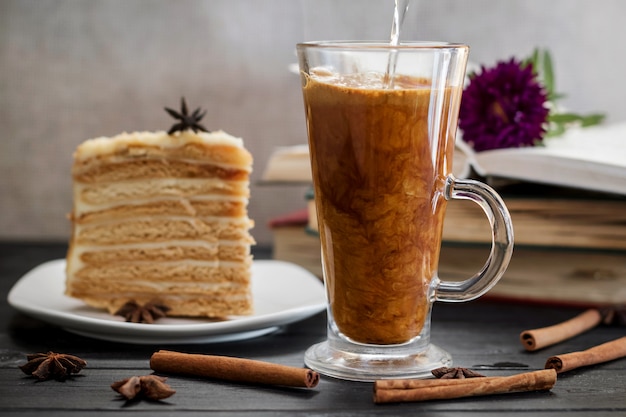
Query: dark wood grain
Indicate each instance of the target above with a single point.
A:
(480, 335)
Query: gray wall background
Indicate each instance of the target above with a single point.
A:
(73, 69)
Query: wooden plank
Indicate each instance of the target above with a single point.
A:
(601, 390)
(482, 335)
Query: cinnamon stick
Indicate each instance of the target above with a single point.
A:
(232, 369)
(598, 354)
(539, 338)
(388, 391)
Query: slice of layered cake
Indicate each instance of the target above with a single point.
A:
(161, 216)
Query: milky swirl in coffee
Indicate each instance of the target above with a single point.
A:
(378, 189)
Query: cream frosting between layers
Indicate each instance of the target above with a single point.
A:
(119, 277)
(130, 190)
(154, 245)
(242, 222)
(165, 286)
(76, 262)
(82, 208)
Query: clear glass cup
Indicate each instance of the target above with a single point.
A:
(381, 125)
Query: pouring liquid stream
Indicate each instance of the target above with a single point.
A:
(400, 9)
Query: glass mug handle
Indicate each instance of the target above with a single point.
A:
(501, 243)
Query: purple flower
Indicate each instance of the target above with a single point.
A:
(503, 107)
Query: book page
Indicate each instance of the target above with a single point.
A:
(604, 144)
(592, 158)
(289, 164)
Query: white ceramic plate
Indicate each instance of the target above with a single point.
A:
(283, 293)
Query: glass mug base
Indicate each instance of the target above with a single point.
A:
(353, 365)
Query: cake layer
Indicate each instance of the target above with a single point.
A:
(200, 207)
(159, 230)
(188, 276)
(206, 306)
(109, 171)
(167, 251)
(125, 191)
(179, 286)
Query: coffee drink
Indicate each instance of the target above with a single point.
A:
(379, 180)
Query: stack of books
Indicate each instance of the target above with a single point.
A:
(568, 205)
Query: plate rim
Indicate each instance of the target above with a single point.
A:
(204, 339)
(172, 331)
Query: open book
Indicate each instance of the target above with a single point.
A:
(592, 158)
(288, 164)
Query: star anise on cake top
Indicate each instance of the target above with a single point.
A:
(134, 312)
(51, 365)
(187, 121)
(455, 373)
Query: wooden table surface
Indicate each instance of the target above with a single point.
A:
(481, 335)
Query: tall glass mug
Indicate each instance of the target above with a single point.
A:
(381, 124)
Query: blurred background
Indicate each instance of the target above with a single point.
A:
(72, 70)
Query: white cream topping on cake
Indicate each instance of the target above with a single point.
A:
(105, 145)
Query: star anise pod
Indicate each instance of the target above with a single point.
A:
(136, 313)
(152, 387)
(187, 121)
(59, 366)
(614, 316)
(455, 373)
